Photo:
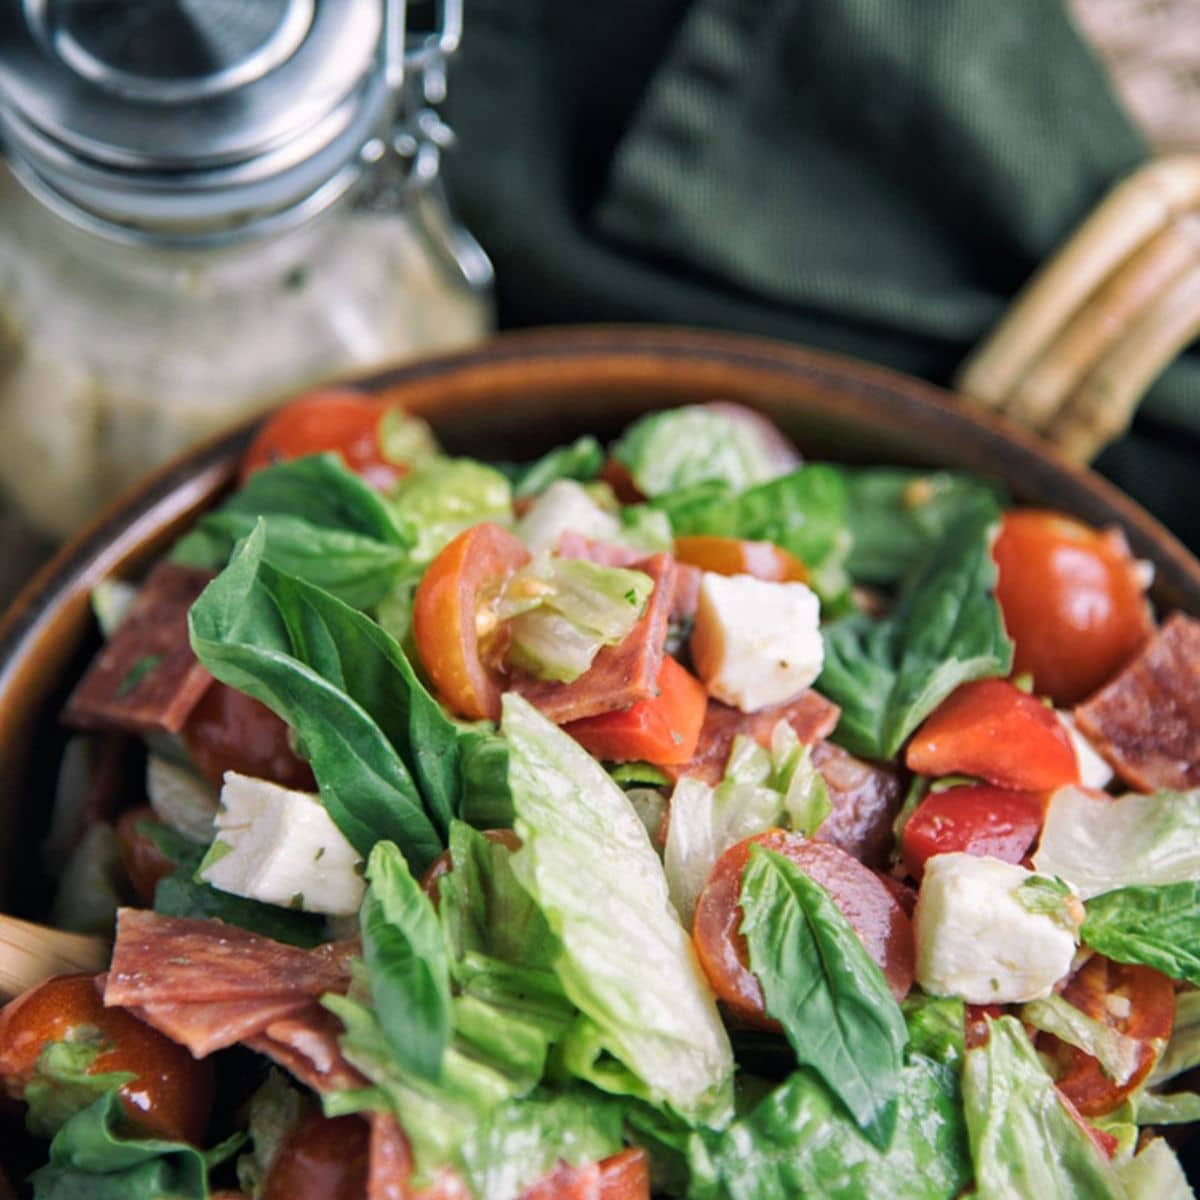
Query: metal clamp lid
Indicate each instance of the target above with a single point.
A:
(192, 120)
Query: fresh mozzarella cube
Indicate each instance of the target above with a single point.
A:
(755, 643)
(181, 799)
(565, 505)
(988, 935)
(280, 846)
(1094, 772)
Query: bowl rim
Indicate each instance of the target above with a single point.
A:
(174, 491)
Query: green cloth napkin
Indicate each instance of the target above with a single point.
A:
(876, 177)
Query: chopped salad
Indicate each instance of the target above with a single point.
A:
(674, 818)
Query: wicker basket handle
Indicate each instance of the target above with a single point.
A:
(1102, 319)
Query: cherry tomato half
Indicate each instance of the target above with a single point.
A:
(172, 1093)
(864, 901)
(344, 421)
(733, 556)
(995, 731)
(455, 643)
(1072, 600)
(320, 1158)
(144, 862)
(1136, 1001)
(229, 731)
(975, 820)
(664, 729)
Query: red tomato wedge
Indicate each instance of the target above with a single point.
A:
(1073, 602)
(993, 730)
(733, 556)
(664, 730)
(865, 902)
(1136, 1001)
(340, 420)
(455, 643)
(171, 1092)
(975, 820)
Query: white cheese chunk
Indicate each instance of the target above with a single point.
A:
(978, 938)
(565, 505)
(755, 643)
(280, 846)
(1094, 772)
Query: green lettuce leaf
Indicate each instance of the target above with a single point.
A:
(624, 961)
(1118, 1055)
(1023, 1141)
(946, 629)
(442, 497)
(385, 755)
(91, 1156)
(799, 1142)
(1166, 1108)
(898, 516)
(1183, 1049)
(407, 964)
(936, 1027)
(1155, 1173)
(1158, 927)
(61, 1086)
(665, 451)
(581, 460)
(825, 990)
(273, 1110)
(1101, 844)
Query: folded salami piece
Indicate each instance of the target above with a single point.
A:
(306, 1046)
(810, 715)
(866, 798)
(186, 960)
(1146, 721)
(210, 1025)
(620, 675)
(146, 677)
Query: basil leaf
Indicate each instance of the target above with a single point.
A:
(825, 990)
(385, 756)
(803, 511)
(581, 460)
(1023, 1140)
(898, 516)
(407, 966)
(90, 1156)
(889, 675)
(799, 1142)
(1157, 927)
(936, 1027)
(180, 895)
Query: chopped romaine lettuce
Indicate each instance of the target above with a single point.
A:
(1119, 1056)
(1155, 1174)
(1024, 1142)
(1183, 1048)
(273, 1110)
(625, 961)
(566, 507)
(581, 461)
(665, 451)
(565, 610)
(444, 496)
(89, 889)
(1099, 843)
(406, 439)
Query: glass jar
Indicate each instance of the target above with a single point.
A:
(142, 309)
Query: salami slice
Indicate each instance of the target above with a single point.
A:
(810, 715)
(146, 677)
(172, 960)
(211, 1025)
(866, 798)
(620, 675)
(390, 1163)
(1146, 721)
(306, 1045)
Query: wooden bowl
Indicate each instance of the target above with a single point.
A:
(513, 398)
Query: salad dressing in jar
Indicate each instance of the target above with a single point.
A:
(206, 207)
